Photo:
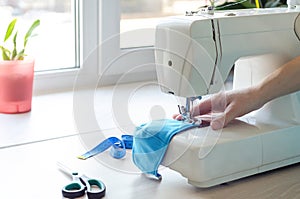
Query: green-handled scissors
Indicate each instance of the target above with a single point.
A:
(81, 184)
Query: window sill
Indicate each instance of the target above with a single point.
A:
(64, 114)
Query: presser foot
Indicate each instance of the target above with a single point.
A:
(187, 111)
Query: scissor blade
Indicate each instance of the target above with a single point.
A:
(65, 169)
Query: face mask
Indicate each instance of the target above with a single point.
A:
(151, 141)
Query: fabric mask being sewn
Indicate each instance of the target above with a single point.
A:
(151, 141)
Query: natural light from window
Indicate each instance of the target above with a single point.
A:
(145, 14)
(56, 45)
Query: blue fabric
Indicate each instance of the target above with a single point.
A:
(151, 141)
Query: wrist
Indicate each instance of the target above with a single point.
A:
(259, 96)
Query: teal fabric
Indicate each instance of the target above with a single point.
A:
(151, 141)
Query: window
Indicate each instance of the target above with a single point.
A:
(145, 14)
(74, 32)
(66, 37)
(55, 46)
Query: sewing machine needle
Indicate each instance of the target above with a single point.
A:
(179, 109)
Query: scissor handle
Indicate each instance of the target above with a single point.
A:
(73, 190)
(95, 189)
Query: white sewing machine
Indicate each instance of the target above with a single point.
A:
(194, 55)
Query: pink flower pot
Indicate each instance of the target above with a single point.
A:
(16, 80)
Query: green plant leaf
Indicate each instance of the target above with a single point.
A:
(20, 55)
(29, 32)
(14, 52)
(10, 29)
(5, 53)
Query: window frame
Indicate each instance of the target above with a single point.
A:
(86, 22)
(99, 22)
(110, 38)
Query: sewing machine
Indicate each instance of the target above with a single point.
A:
(194, 55)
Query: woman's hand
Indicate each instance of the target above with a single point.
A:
(221, 108)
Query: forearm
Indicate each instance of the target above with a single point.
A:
(284, 80)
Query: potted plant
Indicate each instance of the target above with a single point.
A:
(16, 72)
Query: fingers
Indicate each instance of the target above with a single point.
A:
(222, 108)
(217, 124)
(222, 120)
(203, 108)
(177, 117)
(215, 110)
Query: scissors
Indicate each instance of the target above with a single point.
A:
(81, 184)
